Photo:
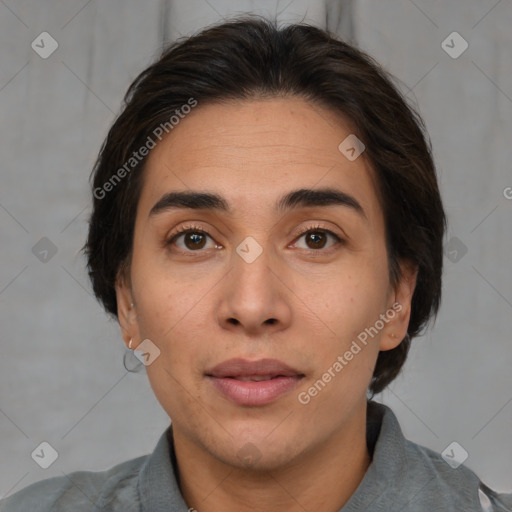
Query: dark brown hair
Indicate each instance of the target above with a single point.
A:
(250, 57)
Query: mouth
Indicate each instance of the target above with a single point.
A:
(254, 378)
(253, 383)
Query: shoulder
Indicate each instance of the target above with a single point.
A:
(81, 491)
(454, 483)
(418, 478)
(437, 470)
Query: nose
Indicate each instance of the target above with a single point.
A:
(254, 297)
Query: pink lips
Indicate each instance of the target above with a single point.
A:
(253, 382)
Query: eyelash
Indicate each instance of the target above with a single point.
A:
(310, 229)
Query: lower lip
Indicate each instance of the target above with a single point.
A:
(254, 392)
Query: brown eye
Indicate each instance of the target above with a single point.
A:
(193, 239)
(196, 240)
(317, 238)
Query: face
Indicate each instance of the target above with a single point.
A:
(256, 277)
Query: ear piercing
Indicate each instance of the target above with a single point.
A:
(132, 305)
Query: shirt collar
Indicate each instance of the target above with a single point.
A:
(158, 478)
(158, 481)
(386, 444)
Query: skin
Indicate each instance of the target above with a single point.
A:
(311, 457)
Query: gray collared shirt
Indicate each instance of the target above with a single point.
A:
(403, 476)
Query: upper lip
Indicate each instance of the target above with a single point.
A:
(243, 368)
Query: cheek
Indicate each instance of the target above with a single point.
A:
(165, 302)
(344, 312)
(348, 301)
(178, 395)
(175, 315)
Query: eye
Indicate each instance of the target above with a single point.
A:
(194, 238)
(316, 237)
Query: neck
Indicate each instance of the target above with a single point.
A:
(322, 479)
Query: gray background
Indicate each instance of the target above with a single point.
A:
(61, 374)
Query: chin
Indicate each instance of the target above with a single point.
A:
(250, 459)
(259, 455)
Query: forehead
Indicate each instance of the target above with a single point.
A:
(254, 152)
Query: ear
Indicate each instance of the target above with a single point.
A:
(399, 308)
(126, 313)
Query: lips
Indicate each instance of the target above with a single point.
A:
(253, 383)
(253, 378)
(262, 369)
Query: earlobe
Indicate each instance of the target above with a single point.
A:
(389, 341)
(126, 312)
(396, 329)
(404, 290)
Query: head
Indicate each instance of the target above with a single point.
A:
(230, 210)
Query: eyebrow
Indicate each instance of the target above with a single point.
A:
(301, 198)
